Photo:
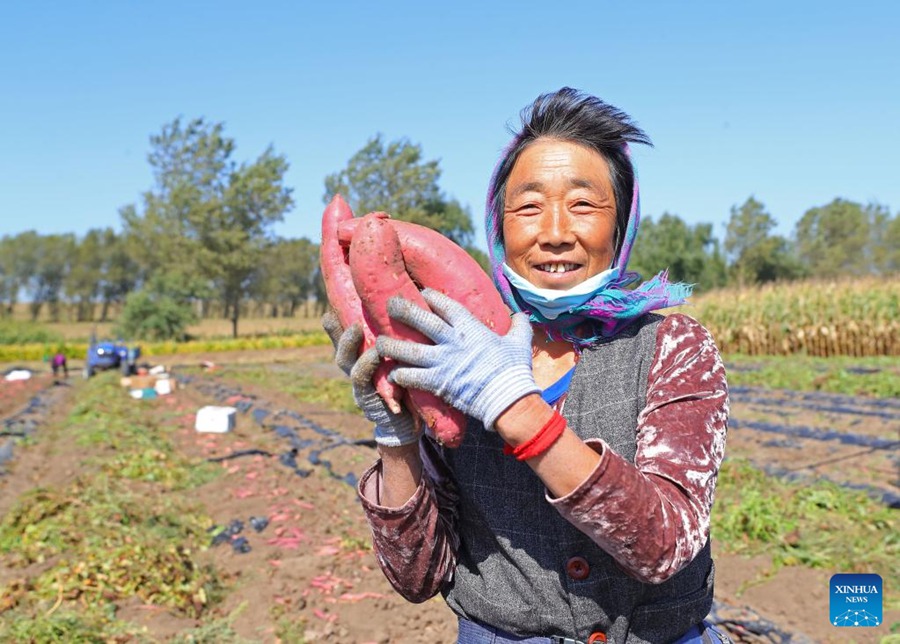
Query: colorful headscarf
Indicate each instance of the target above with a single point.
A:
(613, 307)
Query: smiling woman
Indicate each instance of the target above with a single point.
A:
(577, 507)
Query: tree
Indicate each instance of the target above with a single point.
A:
(83, 281)
(6, 281)
(159, 311)
(393, 178)
(9, 282)
(120, 271)
(756, 256)
(833, 240)
(690, 253)
(52, 259)
(19, 257)
(208, 219)
(286, 274)
(884, 239)
(890, 263)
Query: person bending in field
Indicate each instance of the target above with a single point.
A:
(59, 365)
(577, 508)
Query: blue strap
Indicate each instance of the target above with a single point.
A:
(558, 389)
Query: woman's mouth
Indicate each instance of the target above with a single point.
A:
(557, 267)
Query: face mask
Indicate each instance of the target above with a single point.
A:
(552, 302)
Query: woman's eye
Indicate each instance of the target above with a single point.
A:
(527, 209)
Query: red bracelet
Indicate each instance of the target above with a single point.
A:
(541, 441)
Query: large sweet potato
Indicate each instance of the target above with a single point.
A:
(333, 259)
(378, 272)
(433, 261)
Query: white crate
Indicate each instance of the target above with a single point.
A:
(215, 420)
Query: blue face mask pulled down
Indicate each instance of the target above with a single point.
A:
(552, 302)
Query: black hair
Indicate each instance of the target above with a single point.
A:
(571, 115)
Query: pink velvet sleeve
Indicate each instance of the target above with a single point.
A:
(652, 516)
(415, 544)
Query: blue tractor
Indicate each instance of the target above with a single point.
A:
(111, 355)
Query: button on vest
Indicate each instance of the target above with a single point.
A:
(577, 568)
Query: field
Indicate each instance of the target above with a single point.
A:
(118, 522)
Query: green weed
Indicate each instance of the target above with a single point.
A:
(334, 393)
(19, 332)
(90, 625)
(819, 525)
(879, 377)
(217, 631)
(289, 630)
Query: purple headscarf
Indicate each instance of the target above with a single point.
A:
(612, 307)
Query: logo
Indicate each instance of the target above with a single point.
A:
(856, 600)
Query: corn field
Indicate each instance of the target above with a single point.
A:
(859, 317)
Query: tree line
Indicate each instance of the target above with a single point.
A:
(199, 242)
(839, 239)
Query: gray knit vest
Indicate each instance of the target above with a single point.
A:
(511, 562)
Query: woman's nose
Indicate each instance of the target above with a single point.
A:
(556, 227)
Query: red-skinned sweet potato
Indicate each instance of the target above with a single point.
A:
(433, 261)
(333, 259)
(378, 272)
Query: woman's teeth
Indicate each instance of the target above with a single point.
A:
(556, 268)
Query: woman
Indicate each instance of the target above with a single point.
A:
(577, 507)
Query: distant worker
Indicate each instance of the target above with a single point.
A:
(59, 363)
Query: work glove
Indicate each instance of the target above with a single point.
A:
(472, 368)
(391, 430)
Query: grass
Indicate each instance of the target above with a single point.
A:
(41, 352)
(819, 525)
(206, 329)
(879, 377)
(19, 332)
(86, 626)
(116, 531)
(218, 631)
(334, 393)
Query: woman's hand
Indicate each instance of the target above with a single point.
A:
(474, 369)
(391, 430)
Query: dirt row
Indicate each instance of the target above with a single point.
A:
(855, 446)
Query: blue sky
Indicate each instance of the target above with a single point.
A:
(794, 102)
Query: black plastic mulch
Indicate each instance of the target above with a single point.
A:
(25, 422)
(299, 432)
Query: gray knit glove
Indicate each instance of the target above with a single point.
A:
(469, 366)
(391, 430)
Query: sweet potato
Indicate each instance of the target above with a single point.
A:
(378, 272)
(333, 259)
(335, 269)
(433, 261)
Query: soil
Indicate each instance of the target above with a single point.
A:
(15, 393)
(867, 463)
(312, 560)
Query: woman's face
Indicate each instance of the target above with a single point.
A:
(559, 217)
